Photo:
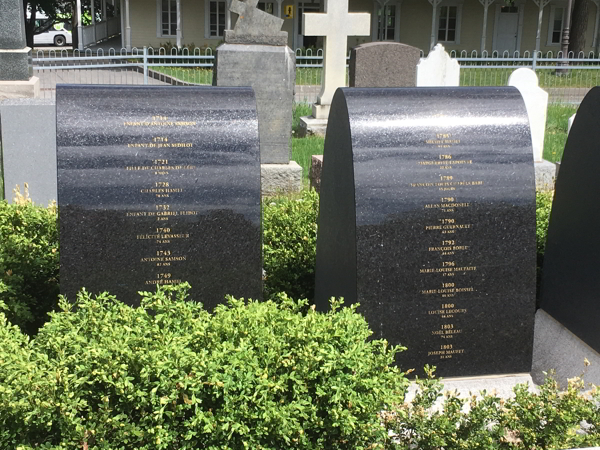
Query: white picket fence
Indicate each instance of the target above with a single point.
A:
(566, 79)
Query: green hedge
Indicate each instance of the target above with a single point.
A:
(542, 215)
(28, 262)
(169, 375)
(289, 245)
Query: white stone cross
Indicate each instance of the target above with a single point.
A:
(335, 24)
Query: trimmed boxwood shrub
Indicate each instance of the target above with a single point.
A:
(543, 200)
(28, 262)
(289, 245)
(169, 375)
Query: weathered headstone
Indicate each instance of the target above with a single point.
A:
(384, 64)
(570, 291)
(536, 102)
(255, 54)
(316, 169)
(335, 24)
(255, 26)
(427, 219)
(16, 80)
(159, 185)
(438, 69)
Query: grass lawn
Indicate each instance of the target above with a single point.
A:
(556, 130)
(303, 149)
(197, 75)
(200, 75)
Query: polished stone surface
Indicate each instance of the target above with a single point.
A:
(159, 185)
(427, 219)
(383, 64)
(570, 290)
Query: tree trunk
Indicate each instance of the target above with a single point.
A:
(29, 23)
(74, 27)
(579, 24)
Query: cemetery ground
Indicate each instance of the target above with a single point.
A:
(251, 375)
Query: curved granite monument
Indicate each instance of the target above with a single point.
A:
(427, 219)
(157, 186)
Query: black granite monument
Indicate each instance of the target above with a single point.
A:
(427, 219)
(159, 185)
(570, 290)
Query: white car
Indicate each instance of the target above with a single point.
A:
(57, 33)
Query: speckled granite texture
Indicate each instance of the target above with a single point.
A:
(427, 219)
(383, 64)
(571, 281)
(157, 185)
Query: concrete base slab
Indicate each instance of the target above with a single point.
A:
(320, 111)
(556, 348)
(309, 126)
(280, 178)
(20, 89)
(545, 175)
(499, 385)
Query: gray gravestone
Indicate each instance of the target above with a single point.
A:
(384, 64)
(254, 54)
(15, 56)
(27, 156)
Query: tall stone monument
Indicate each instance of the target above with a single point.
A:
(335, 25)
(16, 78)
(255, 53)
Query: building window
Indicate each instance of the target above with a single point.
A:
(267, 7)
(386, 23)
(447, 24)
(555, 25)
(217, 11)
(169, 18)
